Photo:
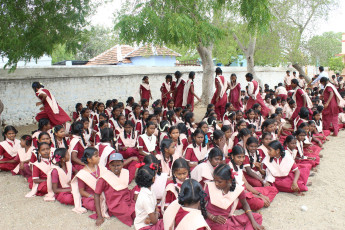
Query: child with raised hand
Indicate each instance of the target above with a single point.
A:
(146, 211)
(189, 211)
(23, 157)
(59, 178)
(9, 149)
(147, 142)
(257, 197)
(197, 151)
(223, 195)
(180, 172)
(43, 126)
(114, 184)
(40, 170)
(252, 164)
(204, 172)
(282, 171)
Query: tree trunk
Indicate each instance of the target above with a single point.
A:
(301, 71)
(208, 73)
(250, 67)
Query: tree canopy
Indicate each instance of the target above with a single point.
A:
(31, 28)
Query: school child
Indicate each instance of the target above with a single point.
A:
(228, 141)
(23, 157)
(303, 116)
(289, 109)
(144, 89)
(239, 116)
(178, 112)
(108, 107)
(114, 184)
(203, 172)
(101, 125)
(204, 127)
(301, 98)
(147, 142)
(301, 157)
(269, 127)
(120, 127)
(134, 116)
(88, 133)
(218, 140)
(180, 172)
(101, 117)
(59, 139)
(188, 92)
(257, 197)
(100, 109)
(144, 105)
(189, 122)
(235, 92)
(282, 171)
(196, 152)
(167, 150)
(229, 108)
(141, 123)
(171, 118)
(231, 120)
(113, 119)
(127, 141)
(59, 178)
(42, 137)
(250, 117)
(169, 110)
(9, 149)
(179, 141)
(77, 145)
(252, 164)
(309, 148)
(166, 91)
(129, 106)
(43, 126)
(265, 139)
(85, 114)
(146, 212)
(241, 124)
(84, 184)
(243, 136)
(40, 170)
(188, 212)
(76, 113)
(290, 145)
(222, 198)
(319, 132)
(163, 129)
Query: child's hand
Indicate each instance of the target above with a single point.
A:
(256, 226)
(219, 219)
(295, 187)
(134, 158)
(99, 221)
(21, 166)
(38, 103)
(266, 200)
(258, 165)
(147, 220)
(266, 184)
(320, 144)
(42, 108)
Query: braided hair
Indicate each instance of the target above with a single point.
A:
(170, 131)
(224, 172)
(56, 129)
(236, 151)
(179, 163)
(165, 145)
(27, 139)
(151, 159)
(277, 145)
(77, 129)
(170, 115)
(89, 152)
(192, 193)
(251, 158)
(59, 153)
(130, 123)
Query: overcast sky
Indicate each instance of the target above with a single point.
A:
(336, 21)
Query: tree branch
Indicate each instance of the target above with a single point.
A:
(244, 49)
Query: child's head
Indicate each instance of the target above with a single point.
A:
(237, 157)
(25, 141)
(167, 148)
(130, 100)
(212, 122)
(170, 104)
(178, 111)
(316, 115)
(44, 124)
(100, 107)
(144, 103)
(136, 109)
(304, 113)
(203, 126)
(290, 142)
(128, 127)
(36, 86)
(108, 103)
(268, 126)
(275, 149)
(189, 118)
(192, 193)
(250, 114)
(61, 156)
(218, 138)
(103, 124)
(116, 163)
(239, 115)
(145, 79)
(78, 129)
(150, 128)
(252, 144)
(44, 137)
(90, 156)
(191, 75)
(300, 134)
(10, 132)
(152, 160)
(180, 170)
(107, 135)
(233, 77)
(182, 129)
(152, 118)
(215, 156)
(198, 138)
(164, 126)
(59, 131)
(252, 128)
(145, 176)
(312, 126)
(227, 131)
(244, 134)
(266, 138)
(85, 113)
(229, 107)
(43, 151)
(168, 78)
(224, 178)
(292, 103)
(304, 126)
(241, 124)
(174, 133)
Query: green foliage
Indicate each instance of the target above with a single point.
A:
(323, 47)
(60, 53)
(336, 64)
(32, 28)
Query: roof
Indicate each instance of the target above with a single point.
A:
(112, 56)
(150, 50)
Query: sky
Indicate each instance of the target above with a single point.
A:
(335, 22)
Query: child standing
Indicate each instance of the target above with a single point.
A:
(145, 92)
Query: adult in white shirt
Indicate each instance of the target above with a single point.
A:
(321, 75)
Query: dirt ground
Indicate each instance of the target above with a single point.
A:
(324, 200)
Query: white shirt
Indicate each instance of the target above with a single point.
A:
(146, 204)
(321, 75)
(281, 90)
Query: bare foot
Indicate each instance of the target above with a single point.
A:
(299, 194)
(309, 183)
(314, 169)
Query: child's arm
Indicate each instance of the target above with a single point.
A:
(317, 141)
(192, 91)
(37, 181)
(75, 158)
(56, 189)
(10, 161)
(153, 217)
(294, 186)
(255, 192)
(252, 174)
(129, 160)
(249, 214)
(100, 218)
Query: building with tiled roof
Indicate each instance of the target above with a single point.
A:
(145, 55)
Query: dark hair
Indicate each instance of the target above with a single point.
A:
(89, 152)
(224, 172)
(239, 123)
(43, 134)
(107, 135)
(163, 127)
(37, 85)
(76, 107)
(178, 74)
(77, 129)
(252, 140)
(149, 123)
(212, 121)
(39, 145)
(144, 177)
(226, 128)
(295, 81)
(217, 134)
(168, 77)
(219, 70)
(101, 123)
(82, 112)
(264, 134)
(250, 76)
(143, 101)
(165, 145)
(183, 129)
(43, 122)
(169, 115)
(57, 129)
(321, 68)
(27, 139)
(288, 139)
(277, 145)
(149, 159)
(266, 123)
(130, 123)
(236, 150)
(243, 132)
(215, 152)
(98, 105)
(7, 129)
(170, 131)
(304, 113)
(196, 132)
(129, 99)
(191, 75)
(192, 193)
(187, 118)
(179, 163)
(61, 152)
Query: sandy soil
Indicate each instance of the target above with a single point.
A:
(324, 200)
